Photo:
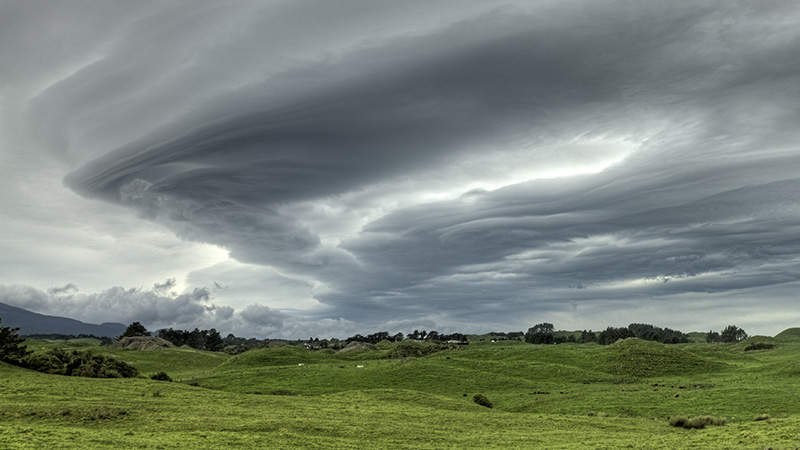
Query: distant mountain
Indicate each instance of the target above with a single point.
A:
(33, 323)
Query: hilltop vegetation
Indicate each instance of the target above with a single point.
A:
(415, 394)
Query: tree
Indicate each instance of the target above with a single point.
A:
(588, 336)
(516, 335)
(540, 334)
(214, 341)
(135, 329)
(712, 337)
(732, 333)
(12, 349)
(433, 336)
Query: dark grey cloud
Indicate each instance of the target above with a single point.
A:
(468, 167)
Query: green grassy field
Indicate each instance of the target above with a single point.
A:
(550, 397)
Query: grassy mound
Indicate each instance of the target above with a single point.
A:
(757, 343)
(639, 358)
(358, 347)
(271, 356)
(788, 335)
(141, 343)
(413, 349)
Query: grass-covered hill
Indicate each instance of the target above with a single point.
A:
(543, 396)
(789, 335)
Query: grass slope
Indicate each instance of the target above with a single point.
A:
(558, 397)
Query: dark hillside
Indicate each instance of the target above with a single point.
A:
(30, 323)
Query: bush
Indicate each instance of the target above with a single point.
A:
(761, 417)
(482, 400)
(695, 422)
(83, 364)
(759, 346)
(160, 376)
(45, 363)
(678, 421)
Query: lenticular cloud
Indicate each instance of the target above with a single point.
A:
(497, 164)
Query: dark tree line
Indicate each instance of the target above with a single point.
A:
(544, 333)
(209, 340)
(374, 338)
(663, 335)
(643, 331)
(429, 336)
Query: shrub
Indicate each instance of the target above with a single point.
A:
(695, 422)
(83, 364)
(761, 417)
(759, 346)
(482, 400)
(44, 363)
(678, 421)
(160, 376)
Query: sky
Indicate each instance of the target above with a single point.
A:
(311, 168)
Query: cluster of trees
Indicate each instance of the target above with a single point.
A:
(642, 331)
(544, 333)
(663, 335)
(731, 333)
(540, 334)
(209, 340)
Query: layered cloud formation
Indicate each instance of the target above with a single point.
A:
(468, 165)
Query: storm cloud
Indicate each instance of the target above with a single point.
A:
(468, 166)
